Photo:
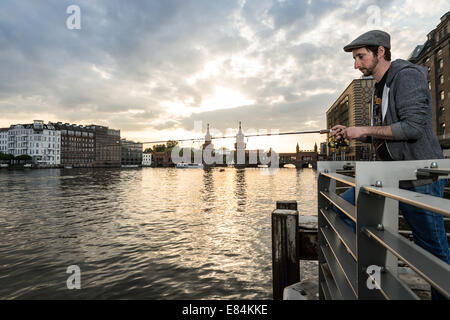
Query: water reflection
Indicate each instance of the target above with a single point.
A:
(241, 189)
(208, 189)
(149, 233)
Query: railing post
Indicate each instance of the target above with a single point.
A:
(374, 211)
(285, 261)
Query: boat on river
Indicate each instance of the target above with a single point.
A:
(183, 165)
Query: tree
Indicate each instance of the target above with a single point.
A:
(6, 157)
(171, 144)
(159, 148)
(23, 157)
(148, 150)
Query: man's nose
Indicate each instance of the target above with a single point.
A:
(357, 64)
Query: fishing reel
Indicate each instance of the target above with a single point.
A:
(337, 143)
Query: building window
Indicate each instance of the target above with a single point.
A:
(441, 64)
(441, 111)
(442, 95)
(429, 85)
(441, 79)
(440, 52)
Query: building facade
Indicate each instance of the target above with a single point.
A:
(146, 159)
(77, 145)
(435, 55)
(4, 140)
(131, 153)
(40, 141)
(352, 108)
(106, 146)
(323, 148)
(162, 159)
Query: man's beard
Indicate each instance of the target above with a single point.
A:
(369, 70)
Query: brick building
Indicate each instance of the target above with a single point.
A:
(162, 159)
(435, 55)
(107, 146)
(77, 145)
(352, 108)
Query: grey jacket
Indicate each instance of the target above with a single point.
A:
(410, 113)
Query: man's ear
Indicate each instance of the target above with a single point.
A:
(381, 52)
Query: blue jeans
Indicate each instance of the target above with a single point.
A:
(427, 227)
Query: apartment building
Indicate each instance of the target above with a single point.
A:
(40, 141)
(3, 140)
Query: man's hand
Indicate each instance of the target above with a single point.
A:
(360, 133)
(351, 133)
(354, 133)
(337, 131)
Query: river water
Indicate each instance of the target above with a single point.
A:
(150, 233)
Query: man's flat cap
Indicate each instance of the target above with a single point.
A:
(371, 38)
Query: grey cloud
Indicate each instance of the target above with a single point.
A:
(284, 116)
(151, 48)
(287, 12)
(169, 124)
(133, 41)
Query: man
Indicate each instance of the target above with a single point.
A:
(402, 129)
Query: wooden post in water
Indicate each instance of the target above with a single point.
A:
(285, 261)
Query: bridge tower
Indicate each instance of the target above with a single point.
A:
(208, 138)
(208, 144)
(239, 146)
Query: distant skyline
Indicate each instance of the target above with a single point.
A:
(154, 68)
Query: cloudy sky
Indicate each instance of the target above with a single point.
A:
(162, 69)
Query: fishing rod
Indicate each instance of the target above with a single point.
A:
(325, 131)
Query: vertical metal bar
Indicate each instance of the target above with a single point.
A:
(324, 183)
(374, 211)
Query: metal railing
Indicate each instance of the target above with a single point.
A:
(363, 264)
